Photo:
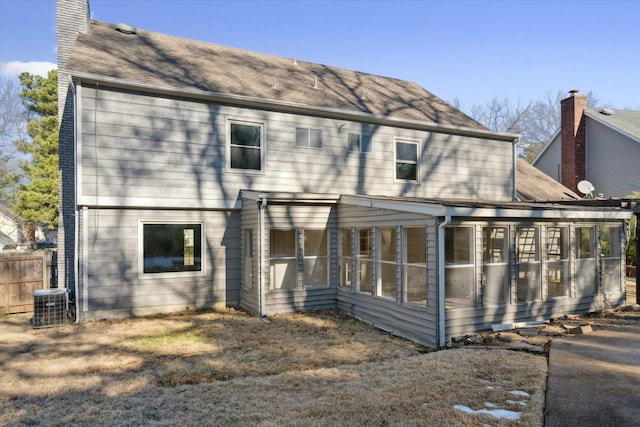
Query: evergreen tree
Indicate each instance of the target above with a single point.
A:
(37, 199)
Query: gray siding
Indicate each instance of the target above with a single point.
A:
(111, 285)
(249, 291)
(140, 150)
(410, 321)
(549, 161)
(613, 161)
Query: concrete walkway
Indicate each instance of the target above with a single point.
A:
(594, 379)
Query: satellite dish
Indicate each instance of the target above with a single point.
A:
(586, 188)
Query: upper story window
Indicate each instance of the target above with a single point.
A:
(309, 138)
(406, 160)
(246, 145)
(359, 142)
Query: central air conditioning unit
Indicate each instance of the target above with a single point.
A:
(49, 307)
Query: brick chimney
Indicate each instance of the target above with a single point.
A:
(572, 135)
(72, 17)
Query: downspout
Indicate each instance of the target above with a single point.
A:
(515, 170)
(262, 204)
(441, 261)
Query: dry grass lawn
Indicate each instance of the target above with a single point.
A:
(229, 368)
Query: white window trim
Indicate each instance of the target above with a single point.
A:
(415, 142)
(263, 147)
(171, 274)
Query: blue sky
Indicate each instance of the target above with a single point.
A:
(472, 50)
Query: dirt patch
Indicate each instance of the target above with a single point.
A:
(228, 368)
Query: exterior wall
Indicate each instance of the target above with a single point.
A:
(407, 320)
(471, 320)
(139, 150)
(110, 280)
(612, 161)
(250, 286)
(549, 161)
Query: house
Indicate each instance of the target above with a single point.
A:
(199, 175)
(600, 145)
(10, 231)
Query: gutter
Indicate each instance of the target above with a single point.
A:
(296, 108)
(441, 272)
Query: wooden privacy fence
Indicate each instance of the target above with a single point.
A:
(20, 274)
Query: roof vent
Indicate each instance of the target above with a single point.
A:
(126, 29)
(606, 112)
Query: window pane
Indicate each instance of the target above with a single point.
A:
(282, 243)
(388, 280)
(364, 246)
(407, 171)
(586, 277)
(557, 243)
(458, 245)
(416, 284)
(245, 158)
(315, 271)
(611, 275)
(345, 239)
(365, 141)
(315, 138)
(302, 137)
(495, 245)
(283, 273)
(345, 257)
(354, 142)
(406, 151)
(315, 243)
(610, 242)
(387, 244)
(248, 258)
(415, 240)
(364, 276)
(528, 282)
(172, 247)
(459, 287)
(496, 284)
(245, 135)
(586, 242)
(527, 238)
(558, 279)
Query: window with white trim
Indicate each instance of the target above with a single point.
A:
(558, 262)
(528, 283)
(246, 145)
(171, 247)
(387, 267)
(283, 260)
(308, 138)
(414, 265)
(359, 142)
(459, 271)
(406, 160)
(364, 272)
(316, 259)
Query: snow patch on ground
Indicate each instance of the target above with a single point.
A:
(496, 413)
(519, 393)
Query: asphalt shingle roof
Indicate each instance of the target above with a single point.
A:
(625, 120)
(162, 60)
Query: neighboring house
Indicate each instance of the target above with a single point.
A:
(10, 232)
(599, 145)
(198, 175)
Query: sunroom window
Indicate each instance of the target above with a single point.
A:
(246, 146)
(283, 266)
(528, 283)
(586, 261)
(495, 265)
(364, 261)
(316, 260)
(558, 261)
(387, 262)
(415, 265)
(459, 273)
(610, 246)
